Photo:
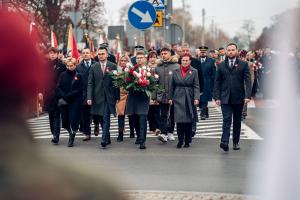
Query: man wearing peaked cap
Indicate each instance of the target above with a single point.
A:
(203, 48)
(208, 71)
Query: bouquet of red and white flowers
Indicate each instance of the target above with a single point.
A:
(136, 78)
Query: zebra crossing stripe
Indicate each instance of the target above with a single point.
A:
(209, 128)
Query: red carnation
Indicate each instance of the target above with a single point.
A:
(128, 79)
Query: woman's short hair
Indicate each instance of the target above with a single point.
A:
(186, 55)
(72, 60)
(151, 54)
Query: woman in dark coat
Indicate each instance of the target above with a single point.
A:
(184, 94)
(70, 94)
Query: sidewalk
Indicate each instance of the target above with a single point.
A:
(162, 195)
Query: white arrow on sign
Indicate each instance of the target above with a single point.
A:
(146, 17)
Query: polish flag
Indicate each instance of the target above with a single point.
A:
(72, 44)
(53, 40)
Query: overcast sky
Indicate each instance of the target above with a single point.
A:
(228, 14)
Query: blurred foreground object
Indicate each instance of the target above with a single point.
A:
(23, 173)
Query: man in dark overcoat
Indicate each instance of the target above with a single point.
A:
(209, 71)
(56, 68)
(101, 93)
(232, 90)
(83, 69)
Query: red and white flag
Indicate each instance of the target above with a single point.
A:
(72, 44)
(53, 40)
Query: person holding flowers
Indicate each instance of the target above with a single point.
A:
(140, 83)
(121, 105)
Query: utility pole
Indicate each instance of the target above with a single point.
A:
(183, 22)
(203, 27)
(168, 16)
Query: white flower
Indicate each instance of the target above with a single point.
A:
(144, 67)
(156, 76)
(148, 74)
(148, 69)
(126, 70)
(128, 65)
(138, 75)
(115, 72)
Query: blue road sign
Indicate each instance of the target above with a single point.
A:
(141, 15)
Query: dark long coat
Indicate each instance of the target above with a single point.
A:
(209, 71)
(101, 89)
(70, 88)
(137, 103)
(183, 93)
(84, 71)
(50, 99)
(232, 86)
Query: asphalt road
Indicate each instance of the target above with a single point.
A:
(201, 168)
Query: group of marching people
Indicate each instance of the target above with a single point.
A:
(82, 92)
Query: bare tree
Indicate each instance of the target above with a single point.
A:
(53, 14)
(245, 37)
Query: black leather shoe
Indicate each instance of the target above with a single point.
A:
(236, 146)
(193, 133)
(203, 118)
(71, 140)
(103, 144)
(109, 142)
(137, 141)
(87, 138)
(142, 146)
(186, 145)
(179, 145)
(120, 137)
(224, 146)
(96, 130)
(55, 140)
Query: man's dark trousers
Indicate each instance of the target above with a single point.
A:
(230, 111)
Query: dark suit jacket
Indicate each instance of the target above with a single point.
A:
(101, 89)
(84, 73)
(232, 86)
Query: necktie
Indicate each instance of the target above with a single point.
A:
(87, 64)
(103, 68)
(231, 64)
